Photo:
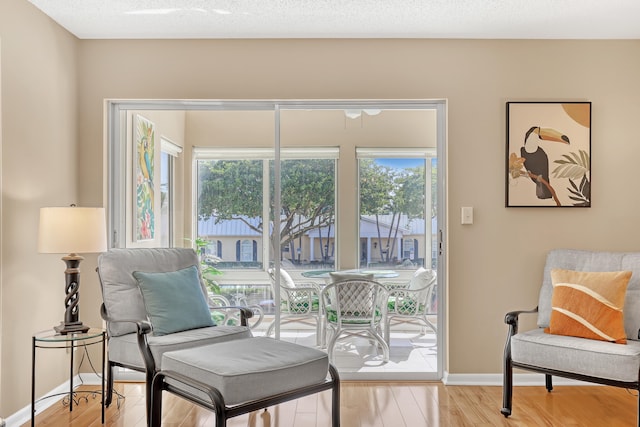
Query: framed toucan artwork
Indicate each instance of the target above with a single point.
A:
(548, 161)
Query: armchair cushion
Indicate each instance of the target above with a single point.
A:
(594, 358)
(174, 300)
(125, 350)
(588, 304)
(120, 291)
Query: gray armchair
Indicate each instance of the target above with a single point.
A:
(574, 352)
(132, 342)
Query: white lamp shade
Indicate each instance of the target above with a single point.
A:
(65, 230)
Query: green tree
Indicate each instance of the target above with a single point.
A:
(408, 199)
(233, 190)
(230, 189)
(391, 192)
(308, 199)
(376, 194)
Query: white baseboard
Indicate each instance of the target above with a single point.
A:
(24, 414)
(496, 380)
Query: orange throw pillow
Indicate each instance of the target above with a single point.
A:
(589, 304)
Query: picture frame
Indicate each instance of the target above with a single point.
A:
(144, 184)
(548, 154)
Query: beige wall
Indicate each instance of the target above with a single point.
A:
(39, 168)
(54, 86)
(494, 264)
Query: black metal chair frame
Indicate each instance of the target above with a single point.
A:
(143, 328)
(511, 319)
(223, 412)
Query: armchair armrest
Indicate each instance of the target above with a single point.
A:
(511, 319)
(144, 327)
(245, 312)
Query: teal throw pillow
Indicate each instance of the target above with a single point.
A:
(174, 301)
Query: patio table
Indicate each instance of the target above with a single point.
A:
(324, 274)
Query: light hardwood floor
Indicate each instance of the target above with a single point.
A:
(380, 404)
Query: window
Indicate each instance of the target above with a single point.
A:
(168, 152)
(230, 206)
(307, 206)
(410, 249)
(396, 207)
(212, 249)
(235, 193)
(246, 251)
(165, 194)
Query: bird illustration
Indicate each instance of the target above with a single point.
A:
(145, 162)
(536, 160)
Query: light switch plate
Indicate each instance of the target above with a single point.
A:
(467, 215)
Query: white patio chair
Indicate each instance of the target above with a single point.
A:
(224, 316)
(355, 307)
(413, 302)
(300, 302)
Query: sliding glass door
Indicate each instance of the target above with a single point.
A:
(306, 187)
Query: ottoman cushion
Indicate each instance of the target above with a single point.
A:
(248, 369)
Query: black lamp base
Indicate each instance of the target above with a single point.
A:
(70, 328)
(71, 323)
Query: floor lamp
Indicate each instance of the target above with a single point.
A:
(72, 230)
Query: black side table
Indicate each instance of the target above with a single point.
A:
(52, 339)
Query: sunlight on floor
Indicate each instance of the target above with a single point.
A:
(410, 351)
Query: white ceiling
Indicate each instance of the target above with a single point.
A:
(513, 19)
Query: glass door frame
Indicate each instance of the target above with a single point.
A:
(115, 181)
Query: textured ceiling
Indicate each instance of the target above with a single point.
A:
(518, 19)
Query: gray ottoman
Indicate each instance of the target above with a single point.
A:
(243, 375)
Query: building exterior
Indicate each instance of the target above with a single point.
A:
(238, 243)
